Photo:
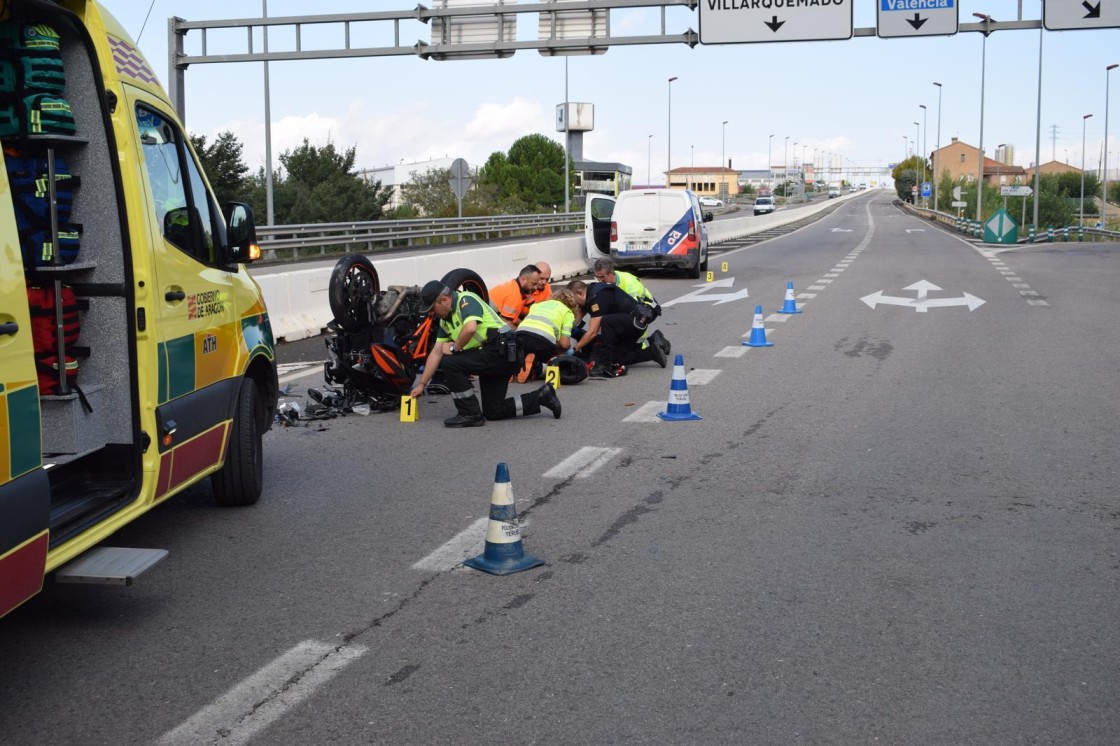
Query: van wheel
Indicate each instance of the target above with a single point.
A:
(241, 478)
(694, 270)
(704, 264)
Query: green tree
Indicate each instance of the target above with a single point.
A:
(529, 178)
(319, 185)
(223, 164)
(906, 175)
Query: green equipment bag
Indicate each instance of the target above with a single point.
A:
(32, 81)
(37, 114)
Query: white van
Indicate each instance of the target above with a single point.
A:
(655, 228)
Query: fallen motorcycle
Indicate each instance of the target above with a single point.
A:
(379, 338)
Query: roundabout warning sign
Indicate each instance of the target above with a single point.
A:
(748, 21)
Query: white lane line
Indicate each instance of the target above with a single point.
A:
(1028, 292)
(1014, 279)
(465, 544)
(806, 295)
(824, 281)
(778, 317)
(1038, 302)
(315, 370)
(701, 376)
(1020, 285)
(816, 287)
(583, 463)
(259, 700)
(648, 411)
(736, 351)
(833, 275)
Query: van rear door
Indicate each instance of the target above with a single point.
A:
(24, 488)
(597, 225)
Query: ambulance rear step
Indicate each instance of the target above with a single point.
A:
(109, 566)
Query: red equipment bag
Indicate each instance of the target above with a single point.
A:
(41, 301)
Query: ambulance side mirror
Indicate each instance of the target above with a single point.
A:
(241, 233)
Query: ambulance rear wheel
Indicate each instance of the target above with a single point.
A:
(241, 479)
(352, 292)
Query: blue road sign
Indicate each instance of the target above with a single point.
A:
(927, 189)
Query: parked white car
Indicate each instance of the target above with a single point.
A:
(711, 202)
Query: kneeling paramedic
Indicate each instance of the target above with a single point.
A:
(617, 323)
(472, 339)
(546, 332)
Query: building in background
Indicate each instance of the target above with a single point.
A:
(1005, 154)
(402, 173)
(714, 181)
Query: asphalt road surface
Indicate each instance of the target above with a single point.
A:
(896, 525)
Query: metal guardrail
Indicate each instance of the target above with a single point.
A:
(291, 242)
(1051, 234)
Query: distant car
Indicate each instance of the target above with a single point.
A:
(833, 192)
(764, 205)
(711, 202)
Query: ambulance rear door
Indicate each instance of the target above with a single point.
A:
(24, 488)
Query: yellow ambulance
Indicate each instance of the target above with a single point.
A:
(136, 356)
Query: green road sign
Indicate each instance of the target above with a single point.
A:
(1001, 228)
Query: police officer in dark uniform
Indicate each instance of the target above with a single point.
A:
(616, 323)
(473, 339)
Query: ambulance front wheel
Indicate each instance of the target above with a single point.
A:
(241, 478)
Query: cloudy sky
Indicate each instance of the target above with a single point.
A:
(856, 99)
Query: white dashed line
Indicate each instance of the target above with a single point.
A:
(1038, 302)
(647, 412)
(806, 295)
(252, 705)
(816, 287)
(1028, 292)
(467, 543)
(833, 275)
(701, 376)
(778, 317)
(583, 463)
(736, 351)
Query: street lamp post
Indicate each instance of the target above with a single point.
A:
(770, 164)
(1104, 194)
(934, 175)
(917, 148)
(669, 139)
(925, 145)
(723, 144)
(983, 64)
(1081, 219)
(785, 166)
(649, 160)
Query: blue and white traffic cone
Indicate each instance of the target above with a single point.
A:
(758, 331)
(503, 554)
(790, 306)
(679, 407)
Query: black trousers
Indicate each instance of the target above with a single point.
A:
(619, 341)
(493, 371)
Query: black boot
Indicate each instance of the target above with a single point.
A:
(465, 420)
(549, 400)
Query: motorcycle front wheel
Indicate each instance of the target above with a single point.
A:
(352, 292)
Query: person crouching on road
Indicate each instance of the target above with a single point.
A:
(546, 332)
(614, 330)
(543, 290)
(512, 299)
(473, 339)
(605, 272)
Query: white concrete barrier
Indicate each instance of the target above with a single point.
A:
(297, 300)
(298, 304)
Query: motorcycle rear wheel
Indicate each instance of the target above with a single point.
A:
(466, 279)
(352, 292)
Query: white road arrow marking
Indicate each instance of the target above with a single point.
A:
(701, 296)
(922, 303)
